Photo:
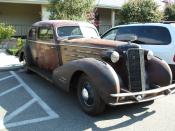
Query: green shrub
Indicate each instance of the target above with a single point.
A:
(170, 12)
(6, 31)
(140, 11)
(15, 51)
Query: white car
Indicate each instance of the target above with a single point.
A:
(157, 37)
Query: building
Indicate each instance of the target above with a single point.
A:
(22, 13)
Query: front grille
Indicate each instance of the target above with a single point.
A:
(136, 69)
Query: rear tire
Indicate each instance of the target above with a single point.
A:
(88, 97)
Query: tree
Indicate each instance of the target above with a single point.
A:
(140, 11)
(170, 12)
(70, 9)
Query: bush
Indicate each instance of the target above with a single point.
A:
(170, 12)
(140, 11)
(6, 31)
(15, 51)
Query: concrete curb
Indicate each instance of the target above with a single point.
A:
(9, 62)
(12, 68)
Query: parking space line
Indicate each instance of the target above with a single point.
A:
(6, 78)
(10, 90)
(26, 122)
(4, 122)
(34, 95)
(19, 110)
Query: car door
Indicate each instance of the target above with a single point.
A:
(47, 57)
(31, 41)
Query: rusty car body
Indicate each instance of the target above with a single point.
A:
(102, 71)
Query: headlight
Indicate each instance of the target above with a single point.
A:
(150, 55)
(115, 57)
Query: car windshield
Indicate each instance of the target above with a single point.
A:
(76, 31)
(89, 32)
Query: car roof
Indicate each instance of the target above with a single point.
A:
(59, 23)
(148, 24)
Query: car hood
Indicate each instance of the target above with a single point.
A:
(94, 42)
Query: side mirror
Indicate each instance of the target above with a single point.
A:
(126, 38)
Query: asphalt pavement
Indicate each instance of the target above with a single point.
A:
(28, 102)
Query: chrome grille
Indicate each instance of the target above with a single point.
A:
(136, 69)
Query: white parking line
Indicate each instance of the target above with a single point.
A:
(26, 122)
(34, 95)
(10, 90)
(4, 122)
(6, 78)
(19, 110)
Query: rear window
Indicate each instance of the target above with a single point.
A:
(150, 35)
(45, 34)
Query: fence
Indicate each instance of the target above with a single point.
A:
(21, 30)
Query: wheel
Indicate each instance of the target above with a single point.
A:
(88, 97)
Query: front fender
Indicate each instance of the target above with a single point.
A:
(159, 72)
(102, 75)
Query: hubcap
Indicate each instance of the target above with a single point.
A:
(85, 94)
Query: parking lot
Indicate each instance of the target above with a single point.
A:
(28, 102)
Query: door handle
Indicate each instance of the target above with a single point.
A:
(52, 47)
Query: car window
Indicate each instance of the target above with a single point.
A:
(45, 34)
(110, 35)
(69, 31)
(32, 34)
(151, 35)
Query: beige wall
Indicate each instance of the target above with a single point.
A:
(20, 15)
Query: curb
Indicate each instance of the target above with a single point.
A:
(12, 68)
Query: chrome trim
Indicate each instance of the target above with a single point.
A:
(147, 92)
(132, 102)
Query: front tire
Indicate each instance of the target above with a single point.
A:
(88, 97)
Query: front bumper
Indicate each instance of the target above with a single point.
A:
(143, 96)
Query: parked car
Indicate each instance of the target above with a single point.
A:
(157, 37)
(101, 71)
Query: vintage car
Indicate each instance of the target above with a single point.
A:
(103, 72)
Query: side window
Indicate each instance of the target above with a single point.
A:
(155, 35)
(111, 35)
(32, 34)
(45, 34)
